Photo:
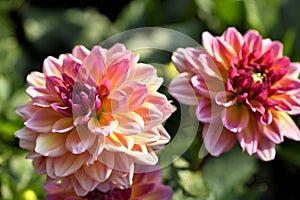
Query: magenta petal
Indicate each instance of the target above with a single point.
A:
(217, 139)
(254, 40)
(181, 89)
(235, 118)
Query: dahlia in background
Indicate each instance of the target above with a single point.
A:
(93, 115)
(146, 186)
(243, 84)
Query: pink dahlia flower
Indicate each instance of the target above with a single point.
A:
(146, 186)
(93, 114)
(243, 84)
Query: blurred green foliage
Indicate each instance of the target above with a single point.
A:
(32, 30)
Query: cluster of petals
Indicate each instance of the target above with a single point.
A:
(244, 88)
(93, 115)
(145, 186)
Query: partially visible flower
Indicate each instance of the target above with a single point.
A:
(146, 186)
(244, 85)
(93, 115)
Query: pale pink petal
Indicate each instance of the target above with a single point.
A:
(107, 158)
(148, 158)
(225, 99)
(136, 94)
(63, 125)
(51, 144)
(95, 63)
(207, 41)
(104, 126)
(68, 164)
(207, 87)
(164, 138)
(70, 65)
(151, 115)
(248, 138)
(275, 46)
(181, 89)
(39, 164)
(265, 150)
(273, 132)
(98, 171)
(26, 134)
(207, 111)
(78, 142)
(42, 120)
(129, 123)
(147, 137)
(217, 139)
(293, 71)
(254, 40)
(80, 52)
(29, 145)
(52, 66)
(222, 52)
(36, 79)
(79, 190)
(25, 111)
(235, 118)
(286, 125)
(117, 73)
(233, 38)
(115, 102)
(87, 183)
(96, 149)
(36, 91)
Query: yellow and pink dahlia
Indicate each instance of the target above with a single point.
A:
(92, 116)
(145, 186)
(250, 86)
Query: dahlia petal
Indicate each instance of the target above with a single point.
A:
(122, 179)
(207, 112)
(39, 164)
(233, 38)
(207, 41)
(68, 164)
(42, 120)
(248, 138)
(286, 125)
(107, 158)
(265, 150)
(95, 63)
(52, 66)
(293, 71)
(50, 144)
(36, 79)
(33, 91)
(151, 115)
(217, 139)
(225, 99)
(29, 145)
(98, 171)
(148, 158)
(164, 138)
(222, 52)
(235, 118)
(79, 141)
(25, 111)
(104, 126)
(26, 134)
(254, 40)
(79, 190)
(273, 132)
(63, 125)
(146, 137)
(80, 52)
(70, 64)
(207, 87)
(181, 89)
(275, 46)
(50, 168)
(136, 93)
(129, 123)
(115, 102)
(161, 102)
(85, 181)
(117, 72)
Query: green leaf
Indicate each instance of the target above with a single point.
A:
(193, 183)
(226, 174)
